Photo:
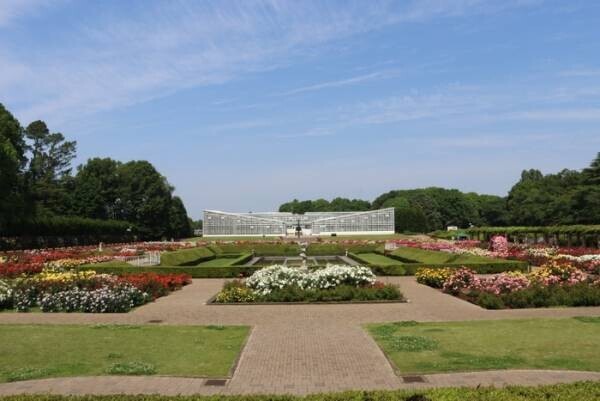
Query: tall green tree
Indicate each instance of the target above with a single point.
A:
(49, 167)
(96, 189)
(591, 174)
(12, 162)
(179, 222)
(145, 199)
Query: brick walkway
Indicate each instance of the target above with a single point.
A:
(297, 348)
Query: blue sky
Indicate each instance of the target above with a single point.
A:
(244, 105)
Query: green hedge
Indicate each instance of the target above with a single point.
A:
(195, 272)
(317, 249)
(408, 269)
(62, 231)
(258, 248)
(581, 391)
(549, 230)
(186, 257)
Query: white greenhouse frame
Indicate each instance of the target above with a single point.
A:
(280, 224)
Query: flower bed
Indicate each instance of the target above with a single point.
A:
(333, 283)
(554, 284)
(71, 291)
(30, 262)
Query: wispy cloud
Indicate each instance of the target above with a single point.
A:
(341, 82)
(113, 59)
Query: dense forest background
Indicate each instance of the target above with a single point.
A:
(41, 195)
(567, 197)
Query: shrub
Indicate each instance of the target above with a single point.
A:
(156, 285)
(116, 299)
(462, 279)
(341, 293)
(235, 295)
(6, 295)
(433, 277)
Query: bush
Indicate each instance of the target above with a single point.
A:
(156, 285)
(193, 271)
(539, 296)
(433, 277)
(235, 294)
(115, 299)
(6, 295)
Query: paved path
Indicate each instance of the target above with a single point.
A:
(297, 348)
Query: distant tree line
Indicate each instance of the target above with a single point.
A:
(37, 184)
(565, 198)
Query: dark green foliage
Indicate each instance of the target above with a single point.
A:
(37, 190)
(194, 271)
(322, 205)
(565, 198)
(12, 160)
(341, 293)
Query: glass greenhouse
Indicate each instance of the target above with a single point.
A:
(217, 223)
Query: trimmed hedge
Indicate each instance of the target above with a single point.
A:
(61, 231)
(194, 271)
(409, 269)
(317, 249)
(186, 257)
(581, 391)
(258, 248)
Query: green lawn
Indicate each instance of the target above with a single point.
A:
(482, 345)
(223, 262)
(438, 257)
(34, 351)
(185, 256)
(378, 260)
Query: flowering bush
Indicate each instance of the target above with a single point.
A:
(504, 283)
(277, 277)
(273, 277)
(285, 284)
(557, 273)
(335, 275)
(87, 291)
(461, 279)
(499, 245)
(156, 285)
(121, 297)
(433, 277)
(235, 292)
(6, 295)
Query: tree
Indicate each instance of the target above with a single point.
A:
(49, 165)
(591, 174)
(145, 199)
(179, 223)
(96, 193)
(407, 217)
(12, 161)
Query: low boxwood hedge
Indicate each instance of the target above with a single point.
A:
(409, 269)
(581, 391)
(194, 271)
